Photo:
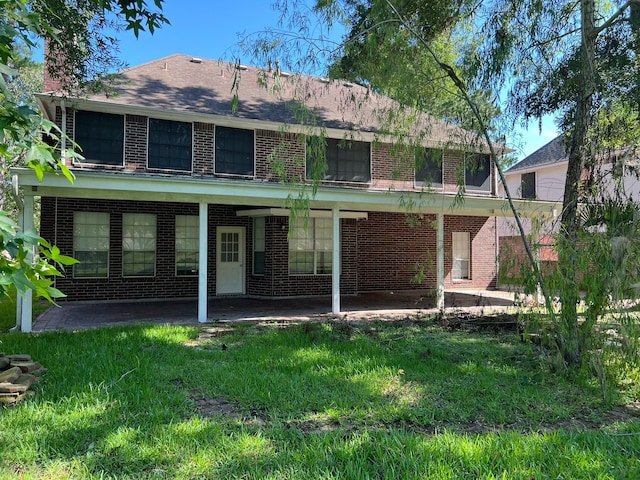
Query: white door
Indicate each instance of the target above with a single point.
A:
(230, 260)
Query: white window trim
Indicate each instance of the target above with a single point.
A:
(108, 248)
(175, 234)
(310, 227)
(454, 256)
(155, 264)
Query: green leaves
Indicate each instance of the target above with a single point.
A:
(28, 261)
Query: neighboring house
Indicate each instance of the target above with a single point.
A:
(181, 195)
(542, 175)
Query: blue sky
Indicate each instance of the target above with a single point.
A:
(211, 29)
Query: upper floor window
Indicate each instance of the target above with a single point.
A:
(100, 136)
(347, 161)
(169, 144)
(477, 171)
(528, 185)
(234, 151)
(429, 167)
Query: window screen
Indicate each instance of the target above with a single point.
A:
(234, 151)
(429, 167)
(347, 161)
(477, 172)
(169, 144)
(528, 186)
(100, 136)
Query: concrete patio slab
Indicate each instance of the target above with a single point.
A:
(376, 305)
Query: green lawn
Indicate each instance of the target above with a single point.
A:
(318, 401)
(8, 310)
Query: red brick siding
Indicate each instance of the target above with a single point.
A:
(482, 236)
(284, 149)
(135, 143)
(453, 170)
(165, 284)
(389, 168)
(203, 146)
(391, 251)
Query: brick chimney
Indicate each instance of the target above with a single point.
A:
(56, 77)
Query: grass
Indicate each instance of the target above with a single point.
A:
(313, 401)
(8, 310)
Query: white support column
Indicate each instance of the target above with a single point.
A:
(203, 220)
(440, 261)
(335, 266)
(25, 300)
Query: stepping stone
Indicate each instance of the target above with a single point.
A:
(4, 362)
(23, 357)
(11, 375)
(23, 382)
(26, 366)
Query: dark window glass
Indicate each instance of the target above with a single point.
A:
(347, 161)
(429, 167)
(169, 144)
(100, 136)
(477, 172)
(528, 186)
(234, 151)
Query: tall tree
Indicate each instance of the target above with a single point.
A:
(75, 28)
(571, 59)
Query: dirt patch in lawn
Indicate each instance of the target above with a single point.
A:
(208, 407)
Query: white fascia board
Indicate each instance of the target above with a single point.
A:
(268, 195)
(285, 212)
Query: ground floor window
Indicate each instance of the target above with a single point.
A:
(138, 244)
(187, 244)
(91, 244)
(258, 245)
(461, 254)
(310, 248)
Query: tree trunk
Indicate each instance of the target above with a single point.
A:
(580, 154)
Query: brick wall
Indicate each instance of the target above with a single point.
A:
(57, 227)
(393, 248)
(275, 152)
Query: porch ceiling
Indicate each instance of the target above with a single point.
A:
(167, 188)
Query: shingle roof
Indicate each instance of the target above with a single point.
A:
(181, 83)
(552, 152)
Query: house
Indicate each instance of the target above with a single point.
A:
(541, 176)
(191, 167)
